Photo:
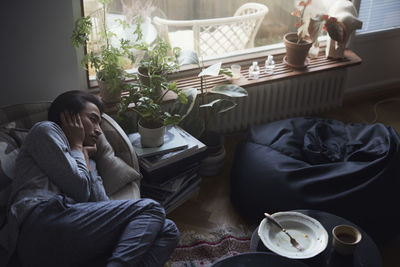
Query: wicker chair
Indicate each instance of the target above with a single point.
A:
(217, 36)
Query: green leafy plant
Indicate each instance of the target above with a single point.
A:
(109, 61)
(140, 100)
(157, 62)
(159, 58)
(206, 108)
(146, 95)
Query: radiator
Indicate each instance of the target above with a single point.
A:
(299, 96)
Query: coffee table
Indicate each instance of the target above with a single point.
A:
(365, 255)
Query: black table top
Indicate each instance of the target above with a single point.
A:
(366, 254)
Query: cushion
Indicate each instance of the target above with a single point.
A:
(115, 172)
(10, 142)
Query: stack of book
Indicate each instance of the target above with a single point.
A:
(171, 171)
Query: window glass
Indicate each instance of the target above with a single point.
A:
(273, 26)
(378, 15)
(226, 37)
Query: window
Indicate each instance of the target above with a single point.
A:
(185, 13)
(277, 22)
(379, 15)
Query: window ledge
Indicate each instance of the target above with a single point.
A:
(281, 71)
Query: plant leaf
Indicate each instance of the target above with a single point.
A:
(315, 27)
(303, 28)
(184, 109)
(195, 125)
(187, 56)
(229, 90)
(213, 70)
(220, 105)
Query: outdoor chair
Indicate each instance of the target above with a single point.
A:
(217, 36)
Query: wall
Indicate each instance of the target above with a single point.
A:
(381, 61)
(38, 61)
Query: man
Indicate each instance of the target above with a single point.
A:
(59, 212)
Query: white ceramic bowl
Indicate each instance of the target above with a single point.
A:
(308, 232)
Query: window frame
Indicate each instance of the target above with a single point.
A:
(246, 56)
(368, 36)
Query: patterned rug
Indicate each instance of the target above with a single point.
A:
(199, 250)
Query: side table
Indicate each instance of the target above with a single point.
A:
(366, 254)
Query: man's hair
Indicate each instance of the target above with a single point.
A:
(73, 101)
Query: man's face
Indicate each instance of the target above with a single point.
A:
(91, 119)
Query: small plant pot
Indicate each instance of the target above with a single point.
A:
(151, 137)
(296, 53)
(108, 95)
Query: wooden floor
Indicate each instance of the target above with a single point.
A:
(211, 207)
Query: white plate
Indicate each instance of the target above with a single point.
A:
(308, 232)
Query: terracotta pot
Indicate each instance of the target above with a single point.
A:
(107, 95)
(151, 137)
(296, 53)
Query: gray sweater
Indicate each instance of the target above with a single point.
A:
(46, 166)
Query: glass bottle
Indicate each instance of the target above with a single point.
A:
(269, 65)
(254, 71)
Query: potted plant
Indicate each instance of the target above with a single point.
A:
(158, 60)
(298, 44)
(108, 62)
(206, 108)
(152, 116)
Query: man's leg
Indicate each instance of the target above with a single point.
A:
(60, 234)
(156, 255)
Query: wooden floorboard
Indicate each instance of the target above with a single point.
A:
(211, 207)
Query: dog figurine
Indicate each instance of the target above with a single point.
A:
(346, 14)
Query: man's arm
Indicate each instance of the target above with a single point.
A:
(66, 168)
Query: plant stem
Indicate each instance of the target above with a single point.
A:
(301, 18)
(203, 100)
(159, 100)
(105, 25)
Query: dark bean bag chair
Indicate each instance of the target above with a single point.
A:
(351, 170)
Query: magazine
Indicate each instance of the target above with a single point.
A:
(156, 161)
(173, 140)
(172, 184)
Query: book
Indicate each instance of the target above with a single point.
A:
(172, 184)
(163, 196)
(168, 172)
(171, 200)
(194, 146)
(185, 195)
(173, 140)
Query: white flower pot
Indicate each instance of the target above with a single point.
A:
(151, 137)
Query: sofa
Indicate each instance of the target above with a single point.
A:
(117, 162)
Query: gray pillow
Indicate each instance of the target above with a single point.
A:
(10, 142)
(115, 172)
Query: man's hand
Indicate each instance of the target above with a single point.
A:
(72, 127)
(90, 150)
